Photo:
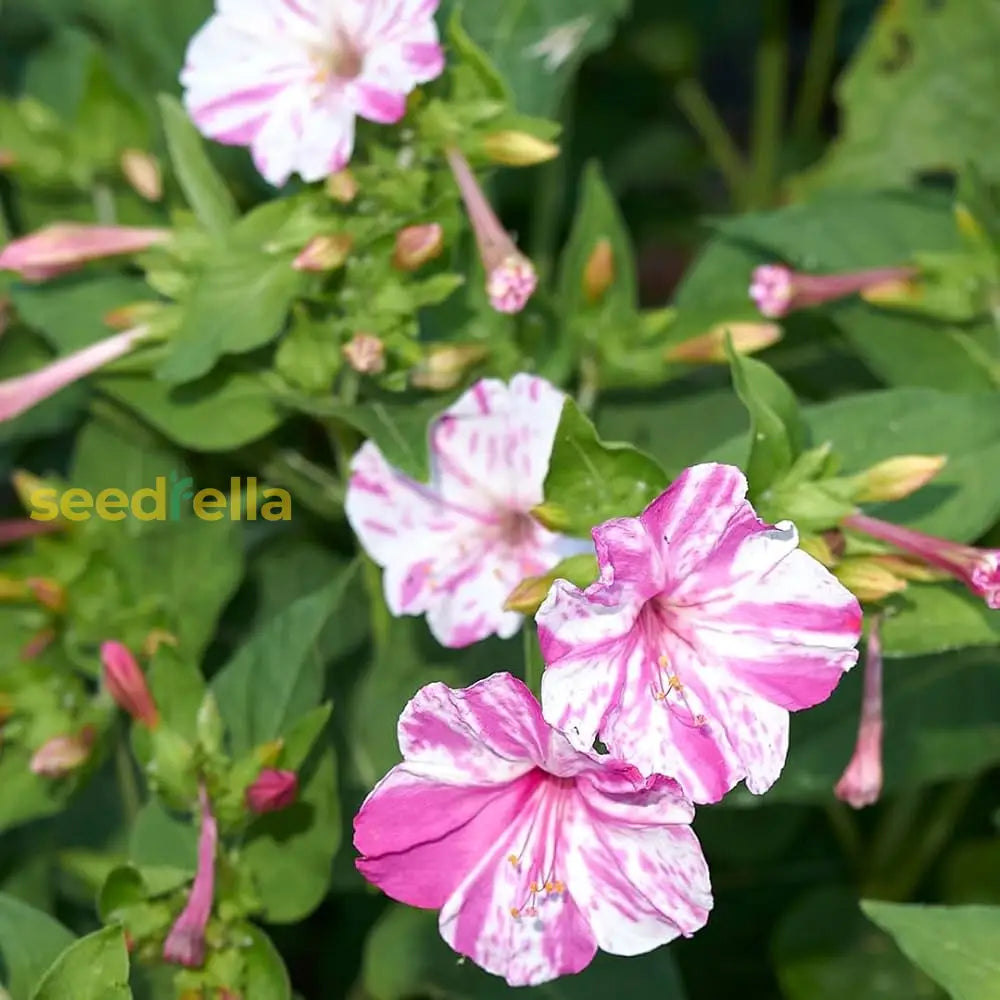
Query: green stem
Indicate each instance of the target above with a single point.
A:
(590, 383)
(320, 491)
(770, 85)
(104, 204)
(547, 209)
(701, 114)
(898, 819)
(128, 787)
(381, 617)
(533, 666)
(845, 829)
(819, 69)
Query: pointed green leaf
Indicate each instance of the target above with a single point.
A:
(30, 941)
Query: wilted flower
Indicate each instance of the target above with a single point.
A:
(456, 547)
(537, 854)
(510, 277)
(272, 790)
(127, 684)
(978, 569)
(67, 246)
(778, 290)
(324, 253)
(288, 78)
(365, 353)
(861, 783)
(22, 392)
(706, 627)
(416, 245)
(185, 944)
(62, 755)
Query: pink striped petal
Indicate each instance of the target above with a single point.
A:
(380, 105)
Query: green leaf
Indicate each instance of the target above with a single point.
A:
(777, 433)
(824, 949)
(405, 957)
(957, 946)
(206, 192)
(30, 941)
(937, 618)
(917, 96)
(239, 303)
(94, 968)
(590, 480)
(538, 45)
(282, 660)
(290, 853)
(598, 217)
(26, 796)
(162, 840)
(265, 976)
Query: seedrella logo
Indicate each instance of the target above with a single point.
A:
(169, 499)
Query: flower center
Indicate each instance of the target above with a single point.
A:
(339, 61)
(516, 528)
(667, 687)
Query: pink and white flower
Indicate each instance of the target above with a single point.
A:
(537, 854)
(706, 627)
(288, 77)
(456, 548)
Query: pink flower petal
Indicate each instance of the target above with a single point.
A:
(380, 105)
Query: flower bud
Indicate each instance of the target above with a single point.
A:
(48, 593)
(599, 272)
(127, 684)
(7, 159)
(324, 253)
(518, 149)
(898, 477)
(710, 347)
(12, 588)
(268, 754)
(365, 353)
(342, 186)
(446, 364)
(61, 755)
(273, 790)
(142, 172)
(527, 596)
(131, 315)
(910, 569)
(861, 783)
(867, 579)
(416, 245)
(37, 644)
(819, 548)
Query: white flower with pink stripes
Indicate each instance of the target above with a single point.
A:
(288, 77)
(706, 627)
(455, 548)
(537, 854)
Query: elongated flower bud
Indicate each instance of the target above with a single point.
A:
(37, 644)
(21, 528)
(599, 272)
(342, 186)
(416, 245)
(510, 277)
(185, 944)
(49, 593)
(365, 353)
(65, 247)
(518, 149)
(127, 684)
(778, 290)
(861, 783)
(272, 790)
(61, 755)
(978, 569)
(867, 579)
(898, 477)
(710, 347)
(324, 253)
(143, 173)
(25, 391)
(446, 365)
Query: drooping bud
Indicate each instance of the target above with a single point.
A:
(324, 253)
(778, 290)
(272, 790)
(342, 186)
(185, 944)
(61, 755)
(599, 272)
(142, 171)
(65, 247)
(19, 529)
(365, 353)
(710, 347)
(510, 277)
(446, 364)
(127, 685)
(978, 569)
(898, 477)
(861, 783)
(518, 149)
(416, 245)
(867, 579)
(22, 392)
(48, 592)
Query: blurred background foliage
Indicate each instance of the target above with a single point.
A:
(725, 146)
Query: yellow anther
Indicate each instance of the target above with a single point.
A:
(674, 683)
(514, 911)
(512, 858)
(663, 661)
(550, 887)
(559, 887)
(660, 695)
(533, 887)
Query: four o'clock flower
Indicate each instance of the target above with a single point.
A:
(22, 392)
(536, 853)
(978, 569)
(127, 684)
(510, 277)
(861, 783)
(288, 77)
(62, 755)
(67, 246)
(778, 290)
(706, 627)
(455, 548)
(185, 944)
